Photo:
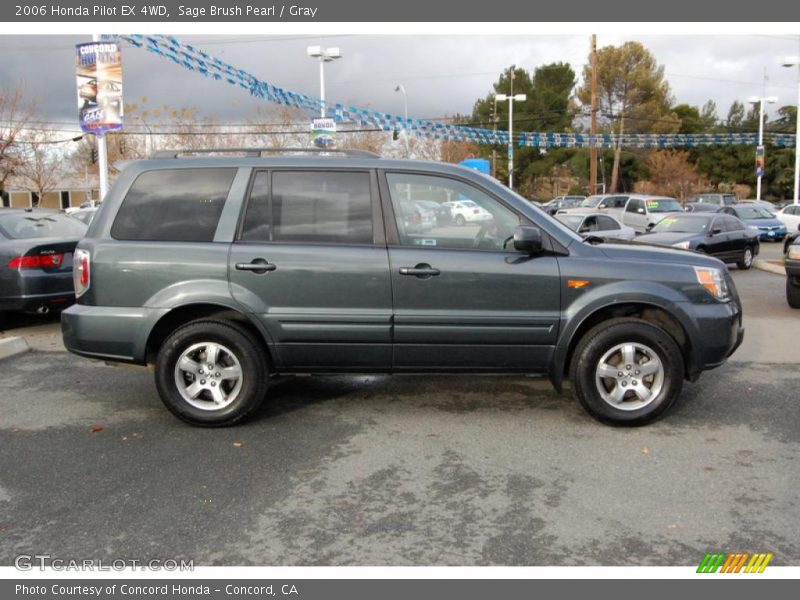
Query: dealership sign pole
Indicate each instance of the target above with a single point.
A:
(99, 80)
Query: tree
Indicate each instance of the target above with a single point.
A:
(14, 117)
(548, 107)
(42, 166)
(671, 173)
(632, 93)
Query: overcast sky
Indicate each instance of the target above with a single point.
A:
(442, 75)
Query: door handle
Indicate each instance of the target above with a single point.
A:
(259, 266)
(423, 271)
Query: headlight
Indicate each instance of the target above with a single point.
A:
(684, 245)
(713, 280)
(794, 252)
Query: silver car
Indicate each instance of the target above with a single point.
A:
(597, 224)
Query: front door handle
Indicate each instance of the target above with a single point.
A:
(423, 271)
(259, 266)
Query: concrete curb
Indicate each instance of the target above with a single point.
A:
(11, 346)
(769, 267)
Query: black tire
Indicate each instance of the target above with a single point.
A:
(641, 334)
(793, 292)
(236, 342)
(460, 220)
(746, 261)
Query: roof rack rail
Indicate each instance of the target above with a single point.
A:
(257, 152)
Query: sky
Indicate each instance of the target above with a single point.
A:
(442, 75)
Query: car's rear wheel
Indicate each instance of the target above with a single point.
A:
(211, 373)
(460, 220)
(627, 371)
(793, 292)
(746, 261)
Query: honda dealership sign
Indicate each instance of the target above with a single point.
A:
(99, 74)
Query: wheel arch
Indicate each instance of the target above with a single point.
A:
(651, 313)
(184, 314)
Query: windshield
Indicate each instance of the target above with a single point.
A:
(571, 221)
(591, 201)
(663, 205)
(31, 225)
(681, 224)
(469, 203)
(753, 212)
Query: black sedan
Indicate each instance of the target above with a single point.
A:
(36, 247)
(792, 264)
(719, 235)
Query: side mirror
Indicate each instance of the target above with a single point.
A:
(716, 231)
(528, 239)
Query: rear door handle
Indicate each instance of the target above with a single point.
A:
(423, 271)
(259, 266)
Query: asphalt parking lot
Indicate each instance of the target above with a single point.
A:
(404, 470)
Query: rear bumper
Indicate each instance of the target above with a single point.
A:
(109, 333)
(32, 289)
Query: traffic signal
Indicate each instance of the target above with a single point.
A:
(395, 135)
(94, 156)
(122, 145)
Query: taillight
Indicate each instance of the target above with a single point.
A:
(80, 271)
(36, 262)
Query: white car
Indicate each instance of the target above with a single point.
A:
(596, 223)
(467, 211)
(790, 216)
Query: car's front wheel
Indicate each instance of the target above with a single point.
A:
(460, 220)
(793, 292)
(746, 260)
(211, 373)
(627, 371)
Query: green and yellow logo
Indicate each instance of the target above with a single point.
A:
(738, 562)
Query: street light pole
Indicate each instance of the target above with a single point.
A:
(794, 61)
(323, 55)
(400, 88)
(511, 98)
(760, 101)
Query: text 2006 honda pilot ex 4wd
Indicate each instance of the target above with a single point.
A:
(223, 270)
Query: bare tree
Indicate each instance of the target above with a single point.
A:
(14, 116)
(41, 166)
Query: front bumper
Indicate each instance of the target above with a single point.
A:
(719, 331)
(774, 235)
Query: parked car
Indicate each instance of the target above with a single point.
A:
(36, 248)
(790, 216)
(596, 224)
(714, 198)
(701, 207)
(789, 240)
(223, 270)
(766, 205)
(723, 236)
(84, 215)
(792, 264)
(416, 219)
(560, 202)
(442, 213)
(613, 203)
(642, 212)
(763, 221)
(467, 211)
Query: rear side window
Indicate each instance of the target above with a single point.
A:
(605, 223)
(634, 204)
(181, 205)
(321, 207)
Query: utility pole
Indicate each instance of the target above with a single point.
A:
(494, 148)
(593, 149)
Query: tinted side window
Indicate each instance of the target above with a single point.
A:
(606, 223)
(634, 204)
(256, 226)
(174, 205)
(321, 206)
(732, 224)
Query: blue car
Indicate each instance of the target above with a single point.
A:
(769, 228)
